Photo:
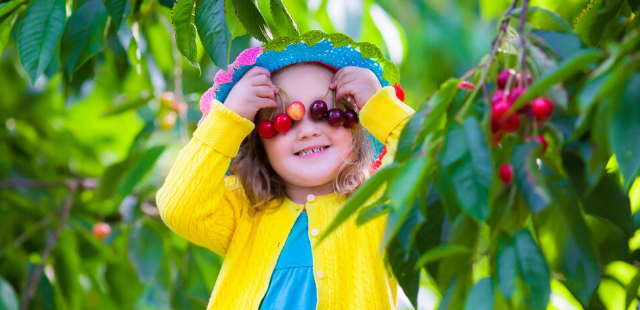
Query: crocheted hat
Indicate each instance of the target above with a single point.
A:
(335, 50)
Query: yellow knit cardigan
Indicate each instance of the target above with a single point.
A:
(200, 204)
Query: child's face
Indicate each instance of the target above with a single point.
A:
(307, 83)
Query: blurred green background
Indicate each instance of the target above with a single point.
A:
(116, 123)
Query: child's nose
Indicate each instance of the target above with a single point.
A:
(307, 128)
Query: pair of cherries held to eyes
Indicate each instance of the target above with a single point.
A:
(267, 129)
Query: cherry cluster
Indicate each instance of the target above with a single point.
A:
(539, 109)
(295, 111)
(503, 120)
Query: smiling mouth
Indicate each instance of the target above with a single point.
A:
(307, 152)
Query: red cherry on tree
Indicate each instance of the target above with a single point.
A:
(351, 119)
(282, 123)
(296, 110)
(266, 129)
(318, 109)
(541, 108)
(497, 96)
(101, 230)
(503, 77)
(335, 117)
(512, 123)
(506, 173)
(499, 110)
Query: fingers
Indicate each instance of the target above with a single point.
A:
(262, 103)
(257, 70)
(344, 76)
(264, 91)
(344, 90)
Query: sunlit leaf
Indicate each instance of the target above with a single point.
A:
(183, 18)
(283, 21)
(252, 19)
(544, 19)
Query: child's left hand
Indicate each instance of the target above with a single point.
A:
(359, 82)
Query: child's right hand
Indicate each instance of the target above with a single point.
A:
(253, 92)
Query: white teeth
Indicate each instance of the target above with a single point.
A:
(307, 152)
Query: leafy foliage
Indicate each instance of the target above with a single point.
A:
(97, 101)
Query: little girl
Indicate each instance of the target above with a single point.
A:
(283, 190)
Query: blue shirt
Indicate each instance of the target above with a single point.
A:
(292, 285)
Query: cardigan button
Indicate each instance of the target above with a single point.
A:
(311, 198)
(314, 232)
(320, 274)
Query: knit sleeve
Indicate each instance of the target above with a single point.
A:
(384, 115)
(196, 200)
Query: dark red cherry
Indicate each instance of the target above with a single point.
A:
(318, 109)
(351, 119)
(335, 117)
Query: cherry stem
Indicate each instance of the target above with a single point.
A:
(325, 95)
(285, 92)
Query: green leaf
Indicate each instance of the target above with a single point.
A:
(139, 170)
(372, 212)
(480, 296)
(528, 178)
(144, 250)
(580, 260)
(83, 34)
(534, 270)
(8, 298)
(439, 252)
(213, 31)
(632, 290)
(462, 232)
(6, 25)
(591, 24)
(624, 131)
(283, 21)
(563, 44)
(233, 23)
(546, 65)
(359, 197)
(119, 10)
(565, 70)
(183, 17)
(403, 256)
(506, 266)
(425, 120)
(252, 19)
(606, 193)
(8, 8)
(466, 162)
(40, 30)
(544, 19)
